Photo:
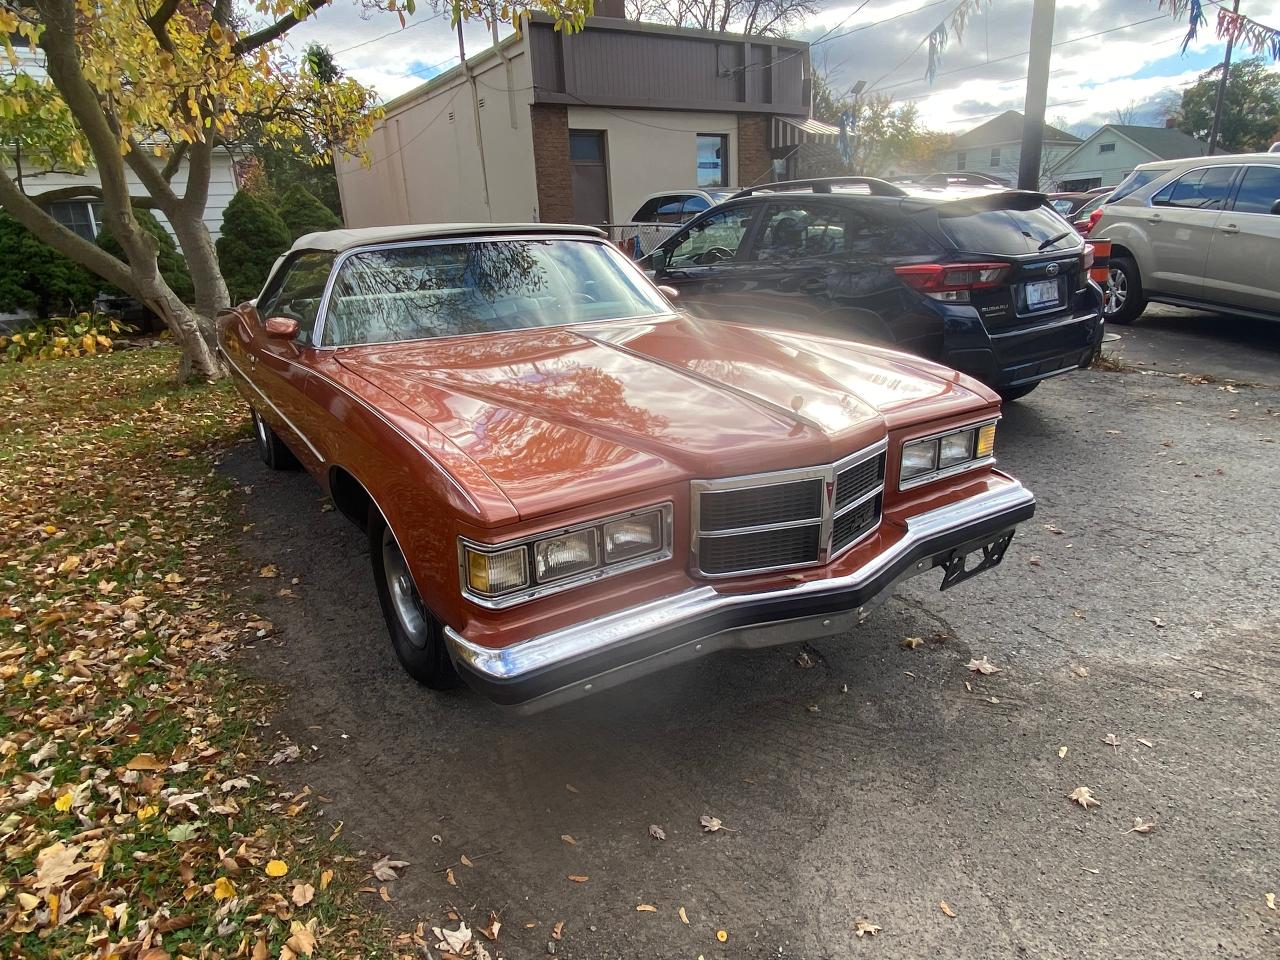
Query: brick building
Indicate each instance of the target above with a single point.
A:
(581, 127)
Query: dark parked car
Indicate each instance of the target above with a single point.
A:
(992, 283)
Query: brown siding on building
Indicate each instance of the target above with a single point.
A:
(754, 162)
(550, 125)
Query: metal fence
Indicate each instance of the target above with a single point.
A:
(638, 239)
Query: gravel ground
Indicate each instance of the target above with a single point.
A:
(881, 780)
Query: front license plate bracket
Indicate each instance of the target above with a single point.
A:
(956, 565)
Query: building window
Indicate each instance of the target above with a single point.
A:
(995, 156)
(713, 160)
(1106, 148)
(961, 160)
(83, 217)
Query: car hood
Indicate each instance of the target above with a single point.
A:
(584, 413)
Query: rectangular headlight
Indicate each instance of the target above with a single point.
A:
(633, 536)
(496, 574)
(986, 441)
(919, 458)
(955, 449)
(558, 557)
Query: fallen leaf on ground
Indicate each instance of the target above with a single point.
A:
(1158, 622)
(1145, 743)
(303, 893)
(1198, 695)
(684, 917)
(568, 839)
(983, 666)
(465, 861)
(946, 908)
(302, 937)
(1084, 796)
(455, 941)
(56, 863)
(557, 931)
(1062, 752)
(1080, 671)
(223, 889)
(578, 878)
(1271, 901)
(710, 824)
(385, 869)
(722, 936)
(269, 571)
(1034, 561)
(490, 930)
(276, 868)
(646, 908)
(449, 878)
(865, 928)
(146, 761)
(1112, 741)
(910, 643)
(571, 788)
(657, 832)
(804, 661)
(1141, 826)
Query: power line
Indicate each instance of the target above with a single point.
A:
(389, 33)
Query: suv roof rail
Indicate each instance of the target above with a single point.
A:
(876, 186)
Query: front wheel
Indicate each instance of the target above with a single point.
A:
(1009, 394)
(1124, 292)
(416, 635)
(270, 447)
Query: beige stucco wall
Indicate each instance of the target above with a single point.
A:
(424, 159)
(652, 150)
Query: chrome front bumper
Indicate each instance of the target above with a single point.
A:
(594, 655)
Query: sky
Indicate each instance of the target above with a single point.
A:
(1137, 63)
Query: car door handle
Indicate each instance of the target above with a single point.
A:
(1154, 218)
(1230, 228)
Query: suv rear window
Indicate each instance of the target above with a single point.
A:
(1134, 181)
(1009, 233)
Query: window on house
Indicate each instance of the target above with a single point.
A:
(18, 40)
(713, 160)
(961, 160)
(995, 156)
(83, 217)
(1106, 148)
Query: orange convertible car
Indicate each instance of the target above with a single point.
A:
(566, 483)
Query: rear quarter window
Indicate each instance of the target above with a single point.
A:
(1009, 233)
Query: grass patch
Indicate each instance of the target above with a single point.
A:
(132, 822)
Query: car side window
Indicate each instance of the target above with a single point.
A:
(298, 294)
(693, 205)
(792, 231)
(1259, 190)
(669, 210)
(647, 211)
(1203, 189)
(712, 240)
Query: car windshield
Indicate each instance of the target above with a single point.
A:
(1134, 181)
(1009, 232)
(429, 290)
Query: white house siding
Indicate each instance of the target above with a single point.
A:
(653, 150)
(222, 187)
(424, 158)
(978, 160)
(1110, 168)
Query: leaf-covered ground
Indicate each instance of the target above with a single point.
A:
(135, 817)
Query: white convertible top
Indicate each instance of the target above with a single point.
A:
(340, 240)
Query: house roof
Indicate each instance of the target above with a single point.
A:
(1007, 128)
(1166, 143)
(339, 240)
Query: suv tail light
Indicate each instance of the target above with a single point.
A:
(952, 282)
(1086, 226)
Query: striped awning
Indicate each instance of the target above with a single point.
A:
(790, 131)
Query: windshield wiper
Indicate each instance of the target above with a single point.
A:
(1052, 240)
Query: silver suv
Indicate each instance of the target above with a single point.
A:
(1201, 232)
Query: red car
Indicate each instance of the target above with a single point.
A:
(566, 483)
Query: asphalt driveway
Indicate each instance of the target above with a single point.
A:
(866, 780)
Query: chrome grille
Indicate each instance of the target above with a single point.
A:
(790, 518)
(752, 506)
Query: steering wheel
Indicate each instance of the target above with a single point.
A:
(714, 255)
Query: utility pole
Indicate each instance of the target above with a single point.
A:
(1222, 89)
(475, 111)
(1037, 95)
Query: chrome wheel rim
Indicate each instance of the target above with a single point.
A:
(260, 428)
(1117, 290)
(404, 595)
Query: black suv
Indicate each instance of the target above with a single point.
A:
(995, 284)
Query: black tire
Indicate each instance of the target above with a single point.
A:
(271, 448)
(419, 645)
(1009, 394)
(1125, 300)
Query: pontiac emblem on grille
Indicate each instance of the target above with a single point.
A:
(1052, 269)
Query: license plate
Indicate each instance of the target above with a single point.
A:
(1042, 293)
(960, 565)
